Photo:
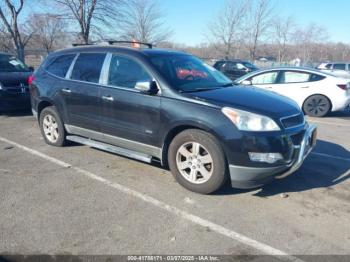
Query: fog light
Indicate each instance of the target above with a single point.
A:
(270, 158)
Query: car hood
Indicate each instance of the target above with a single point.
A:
(250, 99)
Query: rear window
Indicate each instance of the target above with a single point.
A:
(88, 67)
(60, 65)
(10, 63)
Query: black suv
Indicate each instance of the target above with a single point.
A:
(14, 76)
(235, 68)
(153, 104)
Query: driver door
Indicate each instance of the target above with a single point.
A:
(128, 113)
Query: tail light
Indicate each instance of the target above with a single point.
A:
(31, 79)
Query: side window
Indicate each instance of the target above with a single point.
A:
(339, 67)
(315, 78)
(329, 66)
(294, 77)
(218, 65)
(88, 67)
(125, 72)
(265, 79)
(240, 66)
(231, 66)
(60, 65)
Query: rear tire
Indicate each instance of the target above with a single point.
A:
(52, 128)
(317, 106)
(197, 161)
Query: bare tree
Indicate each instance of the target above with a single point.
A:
(226, 28)
(49, 29)
(99, 16)
(307, 41)
(282, 31)
(145, 23)
(258, 24)
(9, 15)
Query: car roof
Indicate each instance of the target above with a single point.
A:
(232, 60)
(287, 68)
(111, 48)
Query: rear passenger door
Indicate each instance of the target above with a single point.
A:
(128, 114)
(297, 85)
(81, 91)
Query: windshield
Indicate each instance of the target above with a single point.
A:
(12, 64)
(249, 65)
(187, 73)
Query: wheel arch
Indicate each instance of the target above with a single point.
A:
(43, 104)
(177, 129)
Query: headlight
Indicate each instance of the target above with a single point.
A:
(247, 121)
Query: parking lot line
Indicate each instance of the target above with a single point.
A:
(330, 156)
(171, 209)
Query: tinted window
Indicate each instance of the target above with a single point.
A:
(294, 77)
(249, 65)
(11, 64)
(315, 78)
(88, 67)
(230, 66)
(267, 78)
(339, 66)
(125, 72)
(240, 66)
(187, 73)
(60, 65)
(218, 65)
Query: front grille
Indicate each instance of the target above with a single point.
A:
(297, 138)
(293, 121)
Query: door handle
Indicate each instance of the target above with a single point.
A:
(66, 90)
(108, 98)
(305, 87)
(269, 87)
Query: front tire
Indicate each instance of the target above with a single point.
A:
(317, 106)
(52, 128)
(197, 161)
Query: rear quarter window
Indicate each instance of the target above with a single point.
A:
(315, 78)
(60, 65)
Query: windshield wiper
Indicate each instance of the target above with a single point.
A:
(228, 84)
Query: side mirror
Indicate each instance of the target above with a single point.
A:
(247, 83)
(149, 88)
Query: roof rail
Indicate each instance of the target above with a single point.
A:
(112, 42)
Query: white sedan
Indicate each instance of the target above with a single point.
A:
(316, 92)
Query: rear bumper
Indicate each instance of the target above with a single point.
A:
(14, 101)
(254, 177)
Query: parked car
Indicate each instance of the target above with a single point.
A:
(235, 68)
(14, 75)
(339, 69)
(134, 103)
(316, 92)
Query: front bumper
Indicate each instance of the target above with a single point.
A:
(253, 177)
